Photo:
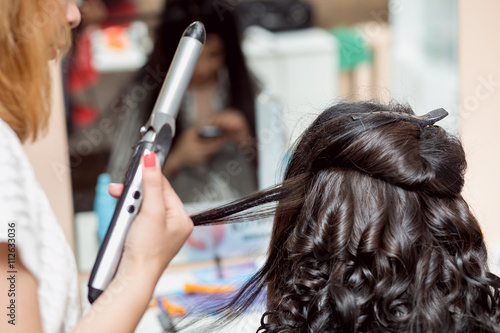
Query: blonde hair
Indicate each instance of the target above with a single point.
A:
(27, 34)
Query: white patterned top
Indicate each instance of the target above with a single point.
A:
(39, 239)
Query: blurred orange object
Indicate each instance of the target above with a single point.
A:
(153, 304)
(173, 310)
(207, 289)
(116, 37)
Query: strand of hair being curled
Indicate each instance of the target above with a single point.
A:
(371, 233)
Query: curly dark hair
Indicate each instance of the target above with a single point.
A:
(371, 232)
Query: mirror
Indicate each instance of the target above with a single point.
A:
(305, 55)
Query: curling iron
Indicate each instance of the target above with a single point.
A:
(156, 136)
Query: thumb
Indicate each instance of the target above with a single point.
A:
(152, 182)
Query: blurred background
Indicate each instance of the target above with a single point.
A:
(305, 55)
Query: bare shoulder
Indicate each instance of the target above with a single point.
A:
(18, 291)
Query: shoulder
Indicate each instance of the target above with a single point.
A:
(39, 241)
(13, 159)
(17, 190)
(16, 172)
(7, 135)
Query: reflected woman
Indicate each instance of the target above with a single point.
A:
(215, 128)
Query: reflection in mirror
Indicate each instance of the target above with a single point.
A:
(302, 56)
(424, 47)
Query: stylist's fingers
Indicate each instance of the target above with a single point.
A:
(153, 205)
(161, 227)
(115, 190)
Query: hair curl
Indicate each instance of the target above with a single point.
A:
(371, 233)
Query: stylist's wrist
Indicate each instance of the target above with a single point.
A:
(138, 267)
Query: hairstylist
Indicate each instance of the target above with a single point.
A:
(38, 281)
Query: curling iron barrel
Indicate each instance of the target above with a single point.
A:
(157, 136)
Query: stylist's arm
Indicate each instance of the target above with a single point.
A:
(156, 235)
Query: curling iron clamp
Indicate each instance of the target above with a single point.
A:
(157, 136)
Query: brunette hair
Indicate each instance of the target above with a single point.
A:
(26, 37)
(371, 232)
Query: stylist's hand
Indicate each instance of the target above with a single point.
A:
(191, 150)
(161, 227)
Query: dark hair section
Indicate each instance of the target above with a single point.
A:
(370, 234)
(176, 17)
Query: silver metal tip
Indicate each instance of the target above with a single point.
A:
(196, 30)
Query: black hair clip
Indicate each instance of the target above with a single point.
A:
(425, 120)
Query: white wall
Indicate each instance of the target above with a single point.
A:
(479, 68)
(425, 69)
